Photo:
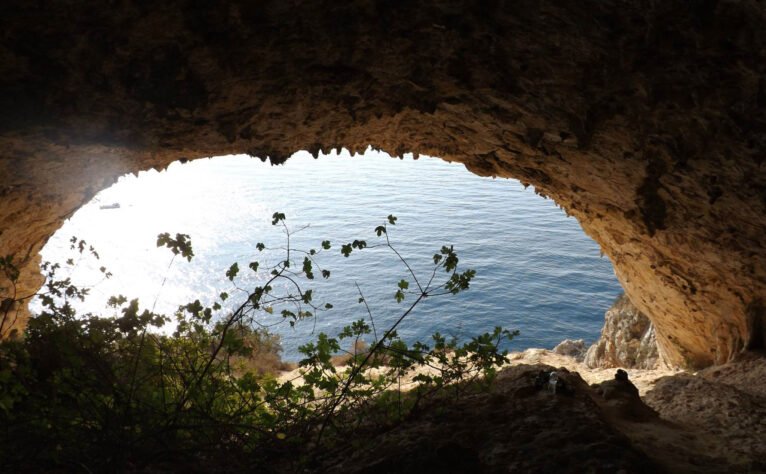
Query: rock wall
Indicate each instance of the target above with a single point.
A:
(644, 120)
(627, 339)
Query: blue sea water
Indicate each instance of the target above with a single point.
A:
(536, 269)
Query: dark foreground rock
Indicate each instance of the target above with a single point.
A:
(711, 422)
(520, 425)
(621, 399)
(725, 406)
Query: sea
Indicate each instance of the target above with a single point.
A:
(536, 270)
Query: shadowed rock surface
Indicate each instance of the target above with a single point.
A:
(644, 120)
(520, 426)
(725, 406)
(517, 427)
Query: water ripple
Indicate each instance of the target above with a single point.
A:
(537, 270)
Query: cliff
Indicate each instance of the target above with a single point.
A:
(627, 339)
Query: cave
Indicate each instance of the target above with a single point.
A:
(643, 120)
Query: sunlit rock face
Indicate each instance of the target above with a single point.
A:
(644, 121)
(627, 340)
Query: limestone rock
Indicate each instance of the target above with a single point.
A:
(572, 348)
(627, 339)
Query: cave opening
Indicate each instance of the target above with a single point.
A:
(644, 120)
(537, 271)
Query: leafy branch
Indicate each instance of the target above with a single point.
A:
(102, 392)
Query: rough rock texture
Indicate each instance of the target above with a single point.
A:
(644, 120)
(709, 422)
(746, 373)
(725, 406)
(538, 432)
(605, 427)
(574, 348)
(643, 379)
(627, 339)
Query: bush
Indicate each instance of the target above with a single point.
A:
(87, 392)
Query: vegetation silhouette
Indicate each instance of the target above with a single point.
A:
(93, 392)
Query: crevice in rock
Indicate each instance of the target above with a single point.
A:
(756, 318)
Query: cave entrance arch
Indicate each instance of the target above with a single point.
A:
(646, 124)
(537, 271)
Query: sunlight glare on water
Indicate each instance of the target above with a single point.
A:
(536, 270)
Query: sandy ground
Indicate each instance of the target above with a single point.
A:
(644, 380)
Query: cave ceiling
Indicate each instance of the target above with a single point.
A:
(644, 120)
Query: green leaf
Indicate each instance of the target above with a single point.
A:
(180, 245)
(328, 306)
(345, 250)
(326, 274)
(115, 301)
(260, 246)
(460, 281)
(399, 296)
(254, 266)
(307, 268)
(451, 260)
(391, 219)
(277, 217)
(404, 284)
(326, 244)
(380, 230)
(307, 296)
(223, 296)
(232, 271)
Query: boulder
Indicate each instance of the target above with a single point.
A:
(574, 348)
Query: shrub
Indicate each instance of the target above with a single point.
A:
(87, 392)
